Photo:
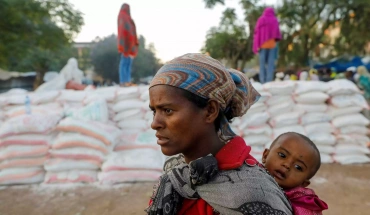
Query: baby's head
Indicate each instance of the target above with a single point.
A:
(293, 159)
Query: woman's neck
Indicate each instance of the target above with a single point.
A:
(210, 146)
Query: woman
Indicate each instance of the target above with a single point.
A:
(193, 98)
(303, 76)
(364, 81)
(313, 75)
(127, 44)
(266, 35)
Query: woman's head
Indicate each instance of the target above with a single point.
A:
(207, 78)
(293, 159)
(202, 84)
(126, 8)
(269, 11)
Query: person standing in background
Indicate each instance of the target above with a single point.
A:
(127, 44)
(266, 35)
(362, 78)
(363, 81)
(313, 75)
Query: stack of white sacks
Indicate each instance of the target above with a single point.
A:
(136, 157)
(346, 103)
(109, 95)
(281, 107)
(311, 98)
(253, 126)
(28, 120)
(71, 100)
(79, 150)
(86, 138)
(131, 165)
(3, 103)
(106, 135)
(97, 123)
(13, 103)
(24, 145)
(130, 109)
(338, 129)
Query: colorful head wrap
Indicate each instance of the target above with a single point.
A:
(209, 79)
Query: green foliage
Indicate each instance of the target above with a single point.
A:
(36, 34)
(146, 63)
(212, 3)
(84, 57)
(305, 25)
(232, 40)
(105, 59)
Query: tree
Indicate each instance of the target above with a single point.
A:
(37, 34)
(231, 40)
(105, 59)
(307, 27)
(146, 63)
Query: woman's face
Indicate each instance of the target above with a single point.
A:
(181, 125)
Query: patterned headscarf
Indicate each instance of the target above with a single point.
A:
(209, 79)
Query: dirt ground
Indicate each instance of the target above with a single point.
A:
(346, 189)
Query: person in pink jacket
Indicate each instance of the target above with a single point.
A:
(266, 35)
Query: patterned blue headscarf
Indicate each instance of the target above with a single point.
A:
(209, 79)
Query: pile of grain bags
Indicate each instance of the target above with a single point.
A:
(71, 99)
(17, 102)
(281, 107)
(13, 99)
(253, 126)
(3, 103)
(106, 93)
(311, 98)
(38, 103)
(346, 103)
(24, 145)
(79, 150)
(140, 140)
(96, 110)
(137, 157)
(133, 165)
(130, 109)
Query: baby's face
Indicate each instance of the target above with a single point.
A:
(290, 161)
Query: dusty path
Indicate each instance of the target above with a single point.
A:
(345, 188)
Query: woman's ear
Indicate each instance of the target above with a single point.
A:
(212, 111)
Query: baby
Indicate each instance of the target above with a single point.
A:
(293, 159)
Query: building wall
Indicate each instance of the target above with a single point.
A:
(20, 82)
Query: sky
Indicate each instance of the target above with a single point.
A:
(175, 27)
